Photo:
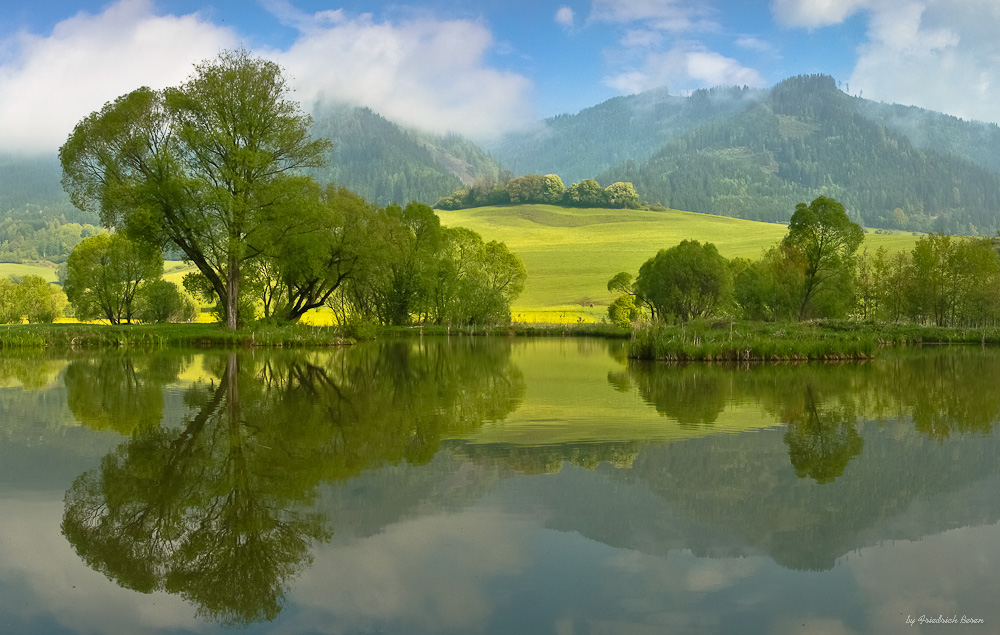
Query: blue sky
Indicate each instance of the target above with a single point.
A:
(484, 67)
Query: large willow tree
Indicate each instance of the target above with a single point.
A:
(209, 166)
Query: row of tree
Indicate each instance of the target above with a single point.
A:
(391, 266)
(815, 272)
(544, 189)
(216, 169)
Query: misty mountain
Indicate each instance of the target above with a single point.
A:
(756, 154)
(581, 146)
(738, 152)
(387, 163)
(34, 182)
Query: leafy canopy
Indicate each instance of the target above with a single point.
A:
(209, 166)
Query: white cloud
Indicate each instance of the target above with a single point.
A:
(50, 82)
(937, 54)
(815, 13)
(942, 55)
(641, 38)
(757, 45)
(684, 68)
(666, 15)
(565, 17)
(427, 73)
(655, 49)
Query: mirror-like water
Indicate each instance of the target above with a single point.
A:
(497, 486)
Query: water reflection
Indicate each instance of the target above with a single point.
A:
(220, 509)
(235, 471)
(945, 392)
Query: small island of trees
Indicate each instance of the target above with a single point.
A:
(544, 189)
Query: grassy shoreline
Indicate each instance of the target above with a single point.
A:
(720, 340)
(154, 336)
(765, 341)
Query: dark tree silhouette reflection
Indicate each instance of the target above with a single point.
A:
(221, 510)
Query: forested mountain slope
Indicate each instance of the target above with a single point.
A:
(386, 163)
(806, 138)
(581, 146)
(976, 141)
(33, 181)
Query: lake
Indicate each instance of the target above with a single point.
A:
(493, 485)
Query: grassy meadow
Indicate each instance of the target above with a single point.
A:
(46, 270)
(571, 253)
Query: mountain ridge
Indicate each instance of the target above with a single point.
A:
(733, 151)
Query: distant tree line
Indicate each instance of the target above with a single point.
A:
(33, 233)
(543, 189)
(816, 272)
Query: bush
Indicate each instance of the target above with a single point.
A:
(623, 311)
(161, 301)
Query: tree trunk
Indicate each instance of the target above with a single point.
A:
(232, 293)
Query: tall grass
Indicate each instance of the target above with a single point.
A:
(758, 341)
(74, 336)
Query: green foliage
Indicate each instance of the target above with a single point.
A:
(545, 190)
(411, 268)
(689, 280)
(306, 264)
(11, 302)
(161, 301)
(586, 193)
(475, 281)
(825, 239)
(105, 273)
(770, 288)
(40, 302)
(944, 280)
(622, 311)
(211, 166)
(621, 282)
(39, 233)
(622, 195)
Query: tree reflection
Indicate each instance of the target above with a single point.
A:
(822, 442)
(30, 370)
(119, 392)
(221, 510)
(693, 394)
(821, 435)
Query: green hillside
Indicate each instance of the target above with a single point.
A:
(15, 270)
(571, 253)
(806, 139)
(386, 163)
(622, 129)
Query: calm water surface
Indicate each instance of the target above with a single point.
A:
(497, 486)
